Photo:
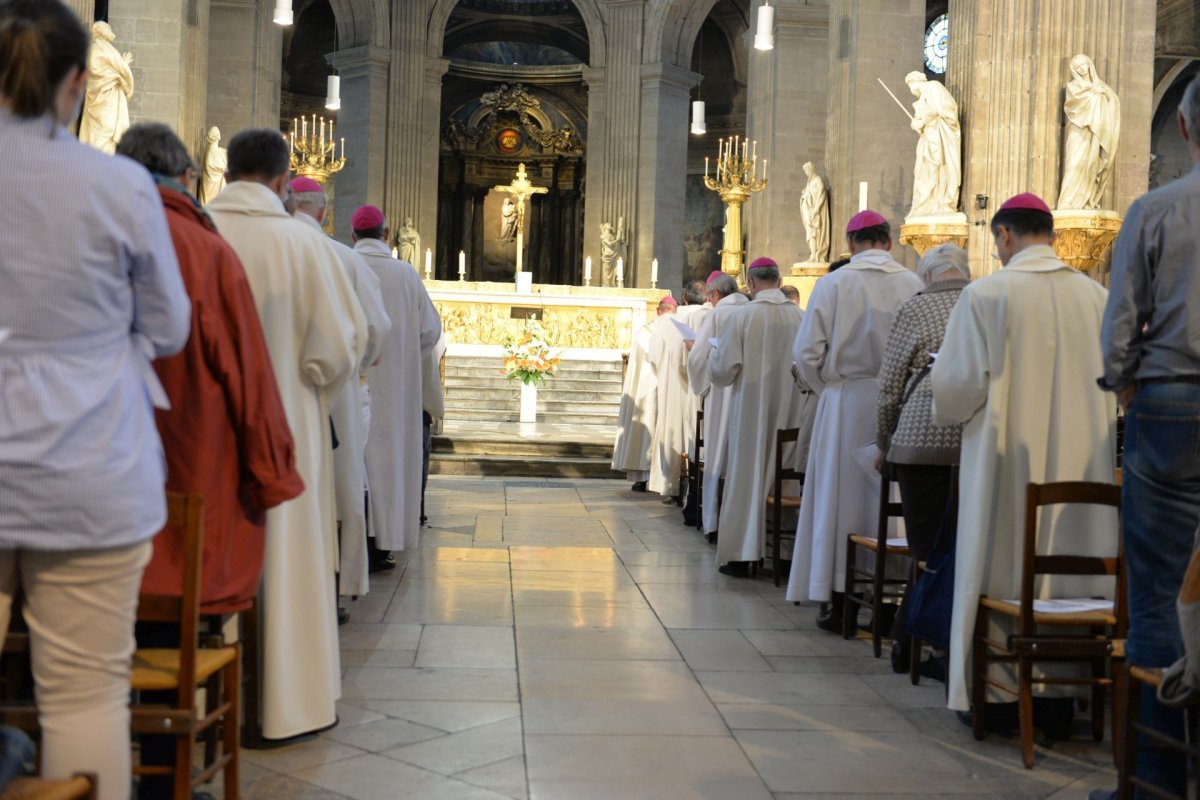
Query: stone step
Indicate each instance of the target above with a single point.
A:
(557, 417)
(493, 371)
(461, 385)
(473, 409)
(484, 445)
(506, 466)
(502, 394)
(476, 362)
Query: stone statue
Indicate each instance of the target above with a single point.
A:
(1093, 127)
(937, 175)
(409, 243)
(814, 211)
(216, 160)
(508, 220)
(612, 247)
(109, 89)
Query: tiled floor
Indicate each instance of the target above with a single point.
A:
(565, 640)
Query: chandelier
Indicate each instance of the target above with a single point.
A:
(314, 150)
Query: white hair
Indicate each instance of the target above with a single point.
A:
(723, 285)
(942, 259)
(1190, 108)
(313, 200)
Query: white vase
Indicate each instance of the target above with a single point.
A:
(528, 402)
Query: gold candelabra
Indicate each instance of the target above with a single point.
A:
(736, 180)
(314, 150)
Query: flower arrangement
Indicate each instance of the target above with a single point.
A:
(529, 358)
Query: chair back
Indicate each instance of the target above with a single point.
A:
(784, 437)
(887, 510)
(1038, 495)
(185, 514)
(699, 435)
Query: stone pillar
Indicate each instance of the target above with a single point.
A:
(245, 56)
(614, 133)
(662, 176)
(1008, 65)
(414, 123)
(868, 136)
(785, 114)
(363, 122)
(169, 42)
(84, 9)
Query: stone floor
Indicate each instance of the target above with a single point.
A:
(564, 640)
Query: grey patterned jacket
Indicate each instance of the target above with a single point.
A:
(906, 433)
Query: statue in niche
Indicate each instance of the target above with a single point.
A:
(508, 220)
(1093, 127)
(109, 90)
(216, 160)
(612, 247)
(937, 175)
(408, 243)
(814, 211)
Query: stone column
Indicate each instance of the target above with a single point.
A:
(245, 56)
(868, 136)
(414, 122)
(785, 114)
(614, 133)
(84, 9)
(169, 42)
(363, 122)
(662, 176)
(1008, 66)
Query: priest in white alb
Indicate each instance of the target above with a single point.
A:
(316, 334)
(726, 302)
(349, 459)
(838, 353)
(753, 357)
(639, 401)
(1018, 365)
(395, 445)
(675, 409)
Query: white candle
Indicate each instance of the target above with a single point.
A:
(587, 270)
(620, 269)
(428, 263)
(862, 195)
(706, 166)
(764, 169)
(654, 270)
(462, 264)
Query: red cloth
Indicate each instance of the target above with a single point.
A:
(226, 436)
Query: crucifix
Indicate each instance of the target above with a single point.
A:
(520, 190)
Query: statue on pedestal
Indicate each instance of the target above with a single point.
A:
(1093, 126)
(937, 175)
(612, 247)
(109, 89)
(216, 160)
(508, 220)
(814, 211)
(408, 243)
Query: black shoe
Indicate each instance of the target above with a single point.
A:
(735, 569)
(1054, 716)
(933, 668)
(343, 615)
(640, 486)
(381, 560)
(830, 618)
(424, 520)
(901, 657)
(886, 621)
(998, 718)
(711, 537)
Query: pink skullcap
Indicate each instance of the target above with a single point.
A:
(716, 274)
(304, 185)
(1026, 201)
(865, 219)
(763, 261)
(669, 300)
(366, 218)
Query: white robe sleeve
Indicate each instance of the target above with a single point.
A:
(699, 380)
(431, 323)
(812, 341)
(725, 361)
(960, 375)
(336, 338)
(370, 297)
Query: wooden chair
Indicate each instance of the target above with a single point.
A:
(186, 669)
(1132, 680)
(1099, 632)
(79, 787)
(875, 578)
(696, 475)
(777, 500)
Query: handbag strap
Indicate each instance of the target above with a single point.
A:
(912, 387)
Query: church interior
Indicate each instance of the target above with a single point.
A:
(613, 561)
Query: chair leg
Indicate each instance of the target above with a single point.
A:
(229, 727)
(848, 591)
(1098, 670)
(252, 727)
(776, 540)
(914, 660)
(1128, 747)
(877, 602)
(978, 673)
(1025, 708)
(183, 767)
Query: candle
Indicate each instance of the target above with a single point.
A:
(587, 270)
(755, 153)
(654, 270)
(706, 166)
(862, 195)
(428, 263)
(620, 270)
(764, 169)
(462, 264)
(303, 128)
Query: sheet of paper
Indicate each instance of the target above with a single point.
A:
(713, 342)
(1069, 605)
(685, 331)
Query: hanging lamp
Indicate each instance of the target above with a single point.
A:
(764, 35)
(333, 93)
(283, 12)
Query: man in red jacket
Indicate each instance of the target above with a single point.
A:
(225, 435)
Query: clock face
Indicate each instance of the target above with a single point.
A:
(936, 39)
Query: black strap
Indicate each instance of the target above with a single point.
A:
(912, 387)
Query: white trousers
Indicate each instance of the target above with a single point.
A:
(80, 606)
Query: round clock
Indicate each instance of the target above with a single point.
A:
(936, 39)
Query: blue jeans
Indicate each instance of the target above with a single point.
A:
(1161, 499)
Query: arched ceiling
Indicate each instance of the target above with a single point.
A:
(480, 29)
